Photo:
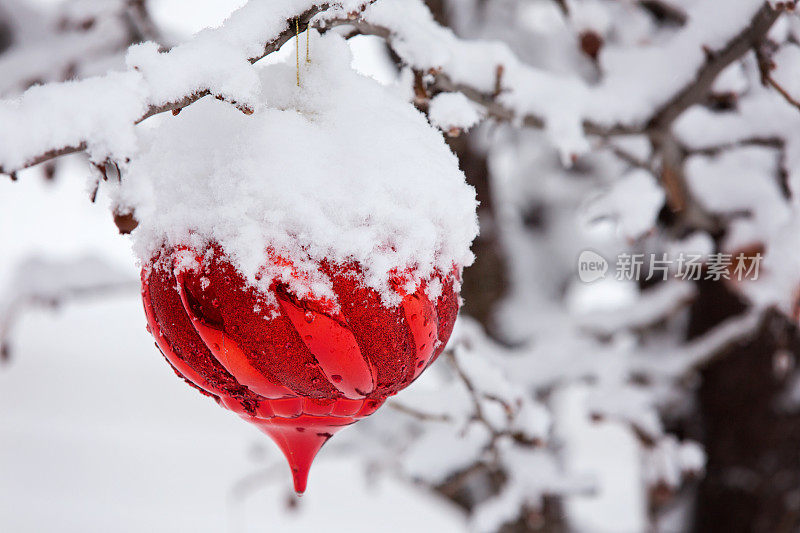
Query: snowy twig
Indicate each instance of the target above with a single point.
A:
(437, 81)
(441, 81)
(719, 341)
(70, 43)
(302, 19)
(51, 283)
(416, 413)
(665, 11)
(768, 142)
(477, 397)
(692, 93)
(630, 158)
(716, 62)
(142, 26)
(473, 392)
(764, 52)
(684, 361)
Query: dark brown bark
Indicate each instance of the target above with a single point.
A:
(717, 60)
(6, 37)
(485, 282)
(750, 431)
(547, 519)
(439, 10)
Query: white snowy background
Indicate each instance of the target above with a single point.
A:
(97, 434)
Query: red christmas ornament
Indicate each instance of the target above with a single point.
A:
(302, 369)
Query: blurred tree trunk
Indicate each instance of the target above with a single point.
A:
(6, 33)
(751, 437)
(485, 282)
(484, 285)
(750, 429)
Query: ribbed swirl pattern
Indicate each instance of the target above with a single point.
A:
(221, 337)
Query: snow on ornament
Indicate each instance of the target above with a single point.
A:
(303, 263)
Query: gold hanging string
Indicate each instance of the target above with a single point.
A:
(297, 41)
(308, 42)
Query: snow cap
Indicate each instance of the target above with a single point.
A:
(338, 169)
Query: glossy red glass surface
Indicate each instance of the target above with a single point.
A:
(300, 372)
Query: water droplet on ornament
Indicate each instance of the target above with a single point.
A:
(418, 311)
(231, 356)
(334, 347)
(336, 378)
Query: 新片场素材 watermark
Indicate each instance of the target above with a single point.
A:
(661, 266)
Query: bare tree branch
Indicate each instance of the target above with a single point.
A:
(664, 11)
(716, 62)
(416, 413)
(764, 51)
(691, 94)
(303, 19)
(141, 24)
(42, 283)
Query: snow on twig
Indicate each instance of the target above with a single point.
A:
(216, 63)
(99, 114)
(535, 98)
(39, 282)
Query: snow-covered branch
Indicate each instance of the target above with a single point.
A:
(492, 76)
(69, 117)
(716, 61)
(71, 41)
(43, 283)
(99, 114)
(766, 64)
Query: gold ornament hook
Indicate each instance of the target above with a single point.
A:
(308, 42)
(297, 42)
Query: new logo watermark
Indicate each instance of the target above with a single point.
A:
(591, 266)
(659, 266)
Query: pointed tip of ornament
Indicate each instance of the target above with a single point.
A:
(300, 439)
(300, 478)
